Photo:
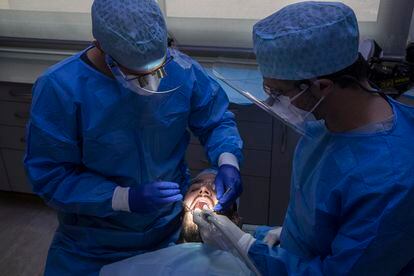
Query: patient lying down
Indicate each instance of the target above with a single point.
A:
(190, 256)
(201, 194)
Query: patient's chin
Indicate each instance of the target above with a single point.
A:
(189, 231)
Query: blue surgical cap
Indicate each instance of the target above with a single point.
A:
(132, 32)
(306, 40)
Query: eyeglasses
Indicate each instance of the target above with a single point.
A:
(158, 72)
(275, 94)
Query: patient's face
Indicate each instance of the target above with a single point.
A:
(201, 194)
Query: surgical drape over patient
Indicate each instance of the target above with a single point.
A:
(183, 259)
(306, 40)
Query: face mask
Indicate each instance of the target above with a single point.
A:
(146, 85)
(295, 117)
(148, 82)
(278, 106)
(281, 107)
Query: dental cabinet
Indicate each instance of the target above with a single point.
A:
(14, 113)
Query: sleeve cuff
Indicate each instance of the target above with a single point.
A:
(229, 159)
(246, 242)
(120, 199)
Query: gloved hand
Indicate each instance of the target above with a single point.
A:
(152, 196)
(213, 236)
(228, 186)
(272, 237)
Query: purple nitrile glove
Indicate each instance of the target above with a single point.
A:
(228, 186)
(152, 196)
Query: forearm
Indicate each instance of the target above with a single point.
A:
(70, 191)
(276, 260)
(55, 170)
(222, 137)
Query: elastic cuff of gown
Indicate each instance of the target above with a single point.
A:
(229, 159)
(246, 242)
(120, 199)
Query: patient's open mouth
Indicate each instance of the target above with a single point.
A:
(201, 201)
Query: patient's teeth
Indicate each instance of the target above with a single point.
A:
(201, 205)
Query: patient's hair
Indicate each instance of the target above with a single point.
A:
(190, 233)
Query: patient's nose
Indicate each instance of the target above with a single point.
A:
(204, 191)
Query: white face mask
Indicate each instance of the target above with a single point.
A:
(147, 85)
(278, 106)
(149, 82)
(284, 108)
(281, 107)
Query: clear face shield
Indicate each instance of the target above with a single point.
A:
(146, 83)
(248, 81)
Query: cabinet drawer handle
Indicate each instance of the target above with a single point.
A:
(205, 161)
(22, 94)
(23, 140)
(22, 115)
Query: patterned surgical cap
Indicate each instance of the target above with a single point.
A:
(132, 32)
(306, 40)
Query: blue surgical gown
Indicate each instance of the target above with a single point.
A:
(88, 135)
(351, 204)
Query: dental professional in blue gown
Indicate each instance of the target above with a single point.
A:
(352, 189)
(108, 135)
